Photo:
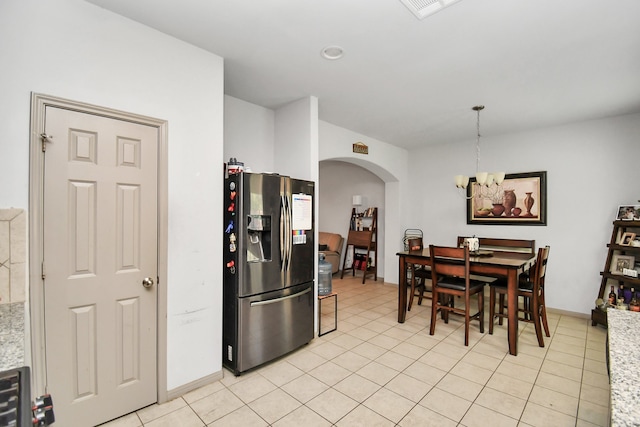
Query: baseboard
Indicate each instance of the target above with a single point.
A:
(186, 388)
(569, 313)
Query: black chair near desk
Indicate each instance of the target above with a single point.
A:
(531, 288)
(450, 273)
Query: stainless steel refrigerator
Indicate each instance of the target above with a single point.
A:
(269, 268)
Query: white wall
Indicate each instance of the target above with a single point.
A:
(296, 139)
(75, 50)
(591, 169)
(249, 134)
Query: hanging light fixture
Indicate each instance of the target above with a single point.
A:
(484, 180)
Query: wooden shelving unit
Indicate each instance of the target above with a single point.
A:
(615, 248)
(363, 236)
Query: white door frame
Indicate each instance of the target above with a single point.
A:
(39, 102)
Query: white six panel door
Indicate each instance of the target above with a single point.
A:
(100, 244)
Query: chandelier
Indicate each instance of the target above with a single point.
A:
(487, 185)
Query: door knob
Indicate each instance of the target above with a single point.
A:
(147, 282)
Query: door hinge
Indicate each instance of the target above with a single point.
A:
(43, 272)
(45, 138)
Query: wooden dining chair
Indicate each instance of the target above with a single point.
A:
(450, 273)
(420, 274)
(531, 289)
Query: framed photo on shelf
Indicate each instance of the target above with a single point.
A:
(521, 199)
(620, 262)
(628, 212)
(627, 238)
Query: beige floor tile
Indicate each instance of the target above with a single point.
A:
(362, 333)
(302, 416)
(501, 402)
(183, 417)
(305, 360)
(330, 373)
(392, 405)
(359, 320)
(384, 341)
(597, 395)
(572, 340)
(446, 404)
(252, 388)
(583, 423)
(332, 405)
(281, 373)
(561, 370)
(510, 385)
(489, 349)
(409, 350)
(565, 358)
(451, 350)
(356, 387)
(327, 350)
(305, 387)
(378, 325)
(241, 417)
(438, 360)
(347, 341)
(554, 400)
(202, 392)
(395, 360)
(275, 405)
(380, 368)
(472, 373)
(420, 416)
(425, 373)
(409, 387)
(377, 373)
(593, 413)
(156, 411)
(460, 387)
(540, 416)
(595, 366)
(559, 384)
(479, 416)
(130, 420)
(575, 350)
(595, 379)
(368, 350)
(351, 361)
(596, 354)
(363, 417)
(481, 360)
(516, 371)
(526, 360)
(345, 326)
(423, 339)
(217, 405)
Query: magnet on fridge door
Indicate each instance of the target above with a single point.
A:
(229, 227)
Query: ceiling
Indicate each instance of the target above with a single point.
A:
(412, 82)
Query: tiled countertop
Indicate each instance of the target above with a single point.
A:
(11, 335)
(624, 366)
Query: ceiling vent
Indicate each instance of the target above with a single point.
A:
(424, 8)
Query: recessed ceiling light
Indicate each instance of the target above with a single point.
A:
(332, 52)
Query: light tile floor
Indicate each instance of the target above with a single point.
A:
(374, 371)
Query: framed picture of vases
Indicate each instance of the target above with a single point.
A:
(521, 199)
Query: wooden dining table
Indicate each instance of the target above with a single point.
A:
(493, 264)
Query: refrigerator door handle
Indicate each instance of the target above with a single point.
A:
(275, 300)
(282, 234)
(289, 231)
